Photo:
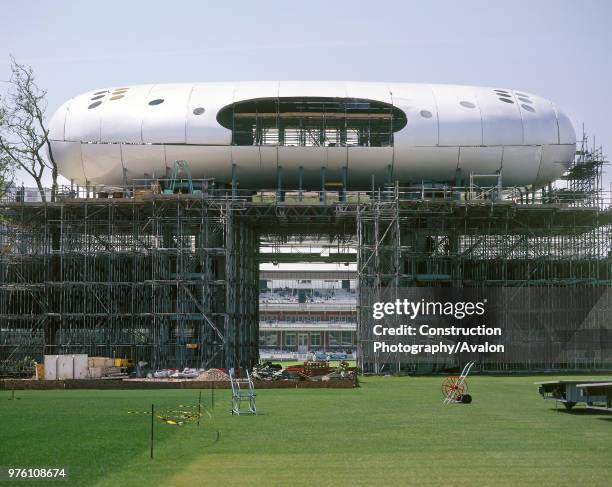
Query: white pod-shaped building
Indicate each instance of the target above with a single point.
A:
(305, 134)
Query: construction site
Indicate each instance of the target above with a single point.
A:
(166, 271)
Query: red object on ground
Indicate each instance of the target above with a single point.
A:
(295, 368)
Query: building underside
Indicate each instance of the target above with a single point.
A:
(172, 279)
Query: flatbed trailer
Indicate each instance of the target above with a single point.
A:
(567, 392)
(598, 395)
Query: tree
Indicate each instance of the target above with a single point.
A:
(5, 165)
(24, 136)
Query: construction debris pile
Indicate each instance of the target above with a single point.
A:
(107, 368)
(186, 373)
(309, 370)
(174, 375)
(270, 371)
(216, 375)
(60, 367)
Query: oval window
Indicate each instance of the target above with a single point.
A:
(467, 104)
(198, 111)
(506, 100)
(425, 114)
(95, 104)
(158, 101)
(312, 121)
(529, 108)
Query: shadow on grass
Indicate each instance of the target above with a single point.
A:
(247, 415)
(580, 411)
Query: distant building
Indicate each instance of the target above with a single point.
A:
(307, 311)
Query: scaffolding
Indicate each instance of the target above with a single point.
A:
(169, 281)
(172, 279)
(432, 245)
(584, 178)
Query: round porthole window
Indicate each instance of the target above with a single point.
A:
(198, 111)
(158, 101)
(425, 114)
(95, 104)
(467, 104)
(529, 108)
(506, 100)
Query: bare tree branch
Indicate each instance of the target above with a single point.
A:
(24, 135)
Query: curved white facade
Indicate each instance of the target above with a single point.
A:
(110, 136)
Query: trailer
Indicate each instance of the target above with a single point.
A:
(566, 392)
(598, 395)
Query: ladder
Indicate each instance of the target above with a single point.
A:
(241, 394)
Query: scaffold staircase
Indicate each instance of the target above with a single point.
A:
(243, 390)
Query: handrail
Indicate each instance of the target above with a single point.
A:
(425, 192)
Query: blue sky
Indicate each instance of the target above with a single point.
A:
(558, 49)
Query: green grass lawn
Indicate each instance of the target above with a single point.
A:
(390, 430)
